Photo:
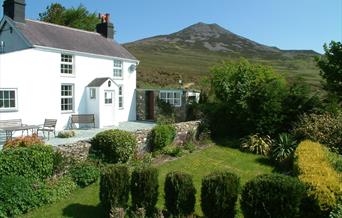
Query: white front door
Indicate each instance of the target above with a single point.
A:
(109, 106)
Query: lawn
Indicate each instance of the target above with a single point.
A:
(85, 202)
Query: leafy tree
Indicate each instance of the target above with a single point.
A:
(78, 17)
(331, 68)
(251, 96)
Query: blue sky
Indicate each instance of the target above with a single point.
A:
(287, 24)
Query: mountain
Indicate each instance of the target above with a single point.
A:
(189, 53)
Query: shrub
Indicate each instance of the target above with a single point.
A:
(32, 162)
(114, 187)
(66, 134)
(84, 174)
(144, 188)
(173, 151)
(322, 182)
(56, 188)
(271, 196)
(115, 146)
(189, 146)
(26, 141)
(257, 144)
(335, 160)
(336, 212)
(219, 194)
(17, 195)
(161, 136)
(323, 128)
(283, 149)
(179, 194)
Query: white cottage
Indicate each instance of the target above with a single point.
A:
(52, 71)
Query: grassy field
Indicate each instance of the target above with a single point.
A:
(85, 202)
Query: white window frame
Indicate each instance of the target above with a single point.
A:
(170, 97)
(67, 64)
(9, 99)
(117, 69)
(106, 99)
(121, 97)
(92, 93)
(72, 97)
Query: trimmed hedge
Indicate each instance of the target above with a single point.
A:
(272, 196)
(219, 194)
(144, 189)
(322, 181)
(17, 195)
(162, 135)
(115, 146)
(114, 187)
(179, 194)
(31, 162)
(84, 174)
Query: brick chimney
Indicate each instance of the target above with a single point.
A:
(105, 28)
(15, 9)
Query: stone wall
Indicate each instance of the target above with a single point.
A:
(182, 134)
(78, 150)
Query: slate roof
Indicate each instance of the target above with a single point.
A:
(98, 82)
(61, 37)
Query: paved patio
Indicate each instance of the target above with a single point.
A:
(85, 134)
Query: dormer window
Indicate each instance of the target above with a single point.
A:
(67, 64)
(117, 69)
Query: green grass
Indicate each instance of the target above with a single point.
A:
(85, 202)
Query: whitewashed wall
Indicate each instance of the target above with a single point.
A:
(35, 73)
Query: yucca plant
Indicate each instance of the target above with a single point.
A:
(284, 147)
(257, 144)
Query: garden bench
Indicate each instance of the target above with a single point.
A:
(48, 126)
(82, 119)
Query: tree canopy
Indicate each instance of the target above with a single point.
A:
(79, 17)
(331, 68)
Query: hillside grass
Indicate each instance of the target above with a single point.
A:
(85, 202)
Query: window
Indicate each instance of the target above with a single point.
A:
(117, 68)
(171, 97)
(108, 97)
(92, 93)
(121, 97)
(67, 98)
(66, 64)
(8, 99)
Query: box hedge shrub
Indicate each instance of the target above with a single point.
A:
(144, 188)
(322, 182)
(84, 173)
(219, 194)
(30, 162)
(179, 194)
(161, 136)
(323, 128)
(115, 146)
(114, 187)
(272, 196)
(17, 195)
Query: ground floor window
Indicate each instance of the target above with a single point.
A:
(8, 99)
(108, 97)
(121, 97)
(172, 97)
(67, 97)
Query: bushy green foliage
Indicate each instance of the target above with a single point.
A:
(272, 196)
(161, 136)
(55, 189)
(335, 161)
(219, 194)
(251, 95)
(336, 212)
(115, 146)
(331, 67)
(17, 195)
(324, 128)
(144, 189)
(84, 173)
(114, 187)
(172, 150)
(322, 182)
(179, 194)
(257, 144)
(30, 162)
